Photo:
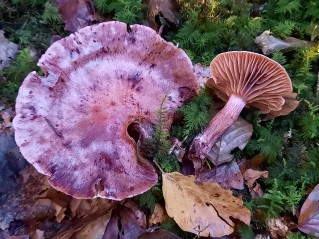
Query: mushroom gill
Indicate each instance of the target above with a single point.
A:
(244, 79)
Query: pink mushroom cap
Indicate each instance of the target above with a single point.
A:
(72, 124)
(260, 81)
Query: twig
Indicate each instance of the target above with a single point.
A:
(159, 167)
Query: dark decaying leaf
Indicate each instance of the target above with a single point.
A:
(11, 162)
(237, 135)
(23, 203)
(308, 221)
(127, 222)
(76, 14)
(226, 175)
(159, 234)
(165, 7)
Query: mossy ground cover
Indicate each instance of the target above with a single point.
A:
(289, 144)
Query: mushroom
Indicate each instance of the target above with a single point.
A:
(72, 124)
(244, 79)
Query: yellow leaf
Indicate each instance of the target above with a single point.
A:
(202, 208)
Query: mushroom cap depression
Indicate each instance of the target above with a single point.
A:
(261, 82)
(72, 124)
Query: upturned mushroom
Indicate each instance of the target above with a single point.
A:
(72, 124)
(244, 79)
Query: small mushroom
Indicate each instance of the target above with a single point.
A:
(73, 124)
(244, 79)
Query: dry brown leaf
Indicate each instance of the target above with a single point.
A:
(256, 192)
(88, 225)
(126, 222)
(251, 176)
(83, 207)
(255, 163)
(76, 14)
(94, 229)
(159, 215)
(166, 7)
(308, 221)
(226, 175)
(235, 136)
(202, 208)
(6, 116)
(278, 228)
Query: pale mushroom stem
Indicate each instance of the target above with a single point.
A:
(204, 142)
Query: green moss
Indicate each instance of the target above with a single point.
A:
(122, 10)
(15, 74)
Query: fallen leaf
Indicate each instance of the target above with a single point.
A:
(89, 226)
(269, 44)
(127, 222)
(159, 215)
(235, 136)
(22, 203)
(202, 208)
(6, 116)
(8, 51)
(308, 221)
(165, 7)
(251, 176)
(256, 191)
(226, 175)
(76, 14)
(255, 163)
(83, 207)
(95, 228)
(158, 234)
(277, 228)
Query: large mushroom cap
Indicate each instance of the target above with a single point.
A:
(72, 124)
(261, 82)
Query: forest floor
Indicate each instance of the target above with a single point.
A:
(264, 171)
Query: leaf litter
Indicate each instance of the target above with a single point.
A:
(204, 209)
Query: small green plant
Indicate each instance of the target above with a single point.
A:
(123, 10)
(196, 113)
(274, 202)
(15, 74)
(158, 147)
(150, 198)
(246, 232)
(52, 16)
(299, 235)
(266, 141)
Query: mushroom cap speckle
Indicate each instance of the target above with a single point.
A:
(261, 82)
(72, 124)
